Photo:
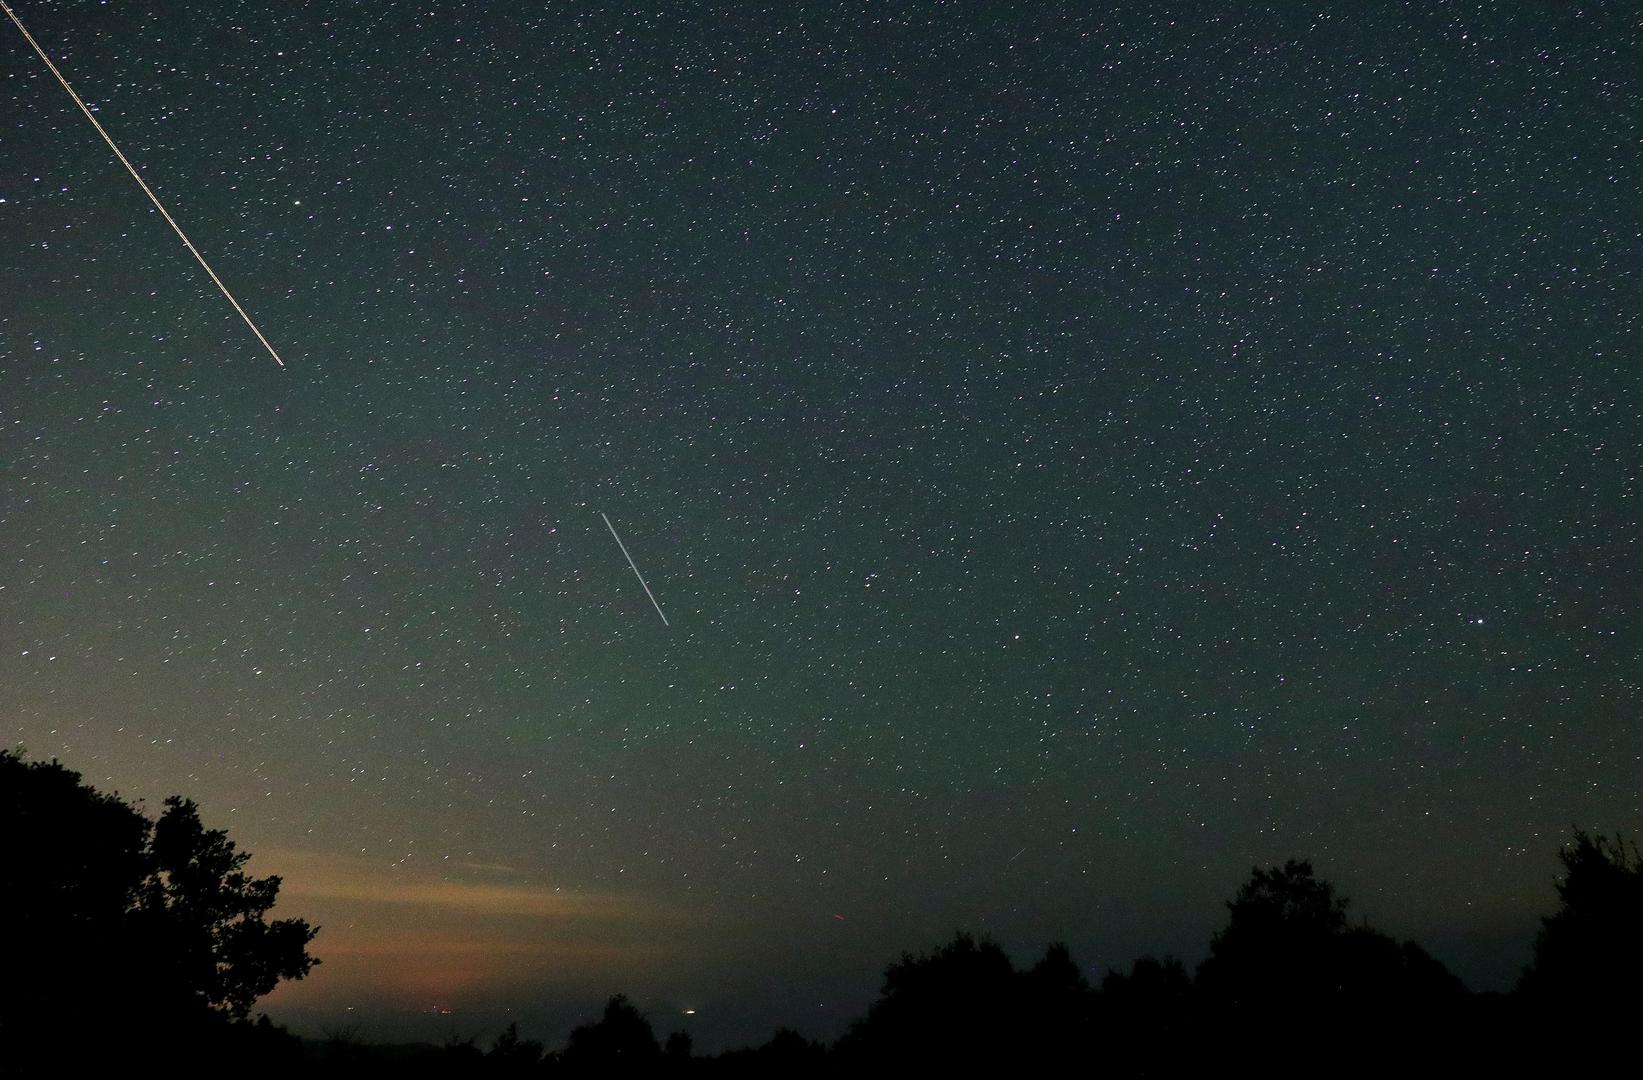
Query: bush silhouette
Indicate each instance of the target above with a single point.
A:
(149, 932)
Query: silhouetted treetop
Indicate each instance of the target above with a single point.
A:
(1288, 896)
(1589, 953)
(964, 1005)
(510, 1055)
(212, 916)
(785, 1054)
(621, 1039)
(1056, 974)
(1150, 983)
(949, 1003)
(153, 924)
(1288, 945)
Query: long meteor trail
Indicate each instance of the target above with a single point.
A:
(635, 566)
(178, 229)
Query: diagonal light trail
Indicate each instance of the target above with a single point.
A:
(178, 229)
(635, 566)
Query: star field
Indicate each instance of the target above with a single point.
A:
(1080, 456)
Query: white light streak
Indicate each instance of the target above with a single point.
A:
(178, 229)
(635, 566)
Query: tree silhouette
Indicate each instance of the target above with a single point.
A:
(622, 1039)
(1056, 977)
(1588, 955)
(1275, 949)
(1289, 966)
(512, 1056)
(678, 1050)
(461, 1054)
(208, 917)
(1150, 984)
(937, 1009)
(1054, 1006)
(1144, 1016)
(151, 931)
(786, 1054)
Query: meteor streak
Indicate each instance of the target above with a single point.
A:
(635, 566)
(178, 229)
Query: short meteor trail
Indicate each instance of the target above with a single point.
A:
(635, 566)
(178, 229)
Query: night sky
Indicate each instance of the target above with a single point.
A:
(1081, 456)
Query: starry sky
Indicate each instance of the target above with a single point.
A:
(1082, 451)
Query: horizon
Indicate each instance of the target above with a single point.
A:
(732, 1001)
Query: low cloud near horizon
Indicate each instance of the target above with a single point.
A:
(432, 935)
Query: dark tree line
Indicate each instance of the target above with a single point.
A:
(138, 942)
